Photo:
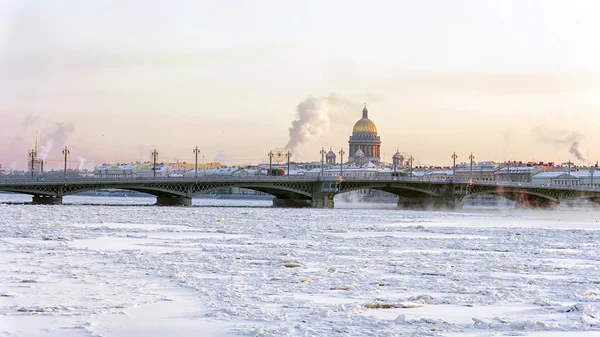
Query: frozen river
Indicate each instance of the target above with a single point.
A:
(240, 268)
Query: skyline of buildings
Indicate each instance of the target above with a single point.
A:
(363, 147)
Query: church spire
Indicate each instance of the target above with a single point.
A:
(365, 112)
(36, 143)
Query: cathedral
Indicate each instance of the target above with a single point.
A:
(364, 143)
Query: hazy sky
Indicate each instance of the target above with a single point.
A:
(512, 80)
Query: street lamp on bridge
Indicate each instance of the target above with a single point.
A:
(32, 155)
(454, 156)
(196, 151)
(569, 170)
(270, 154)
(154, 155)
(342, 153)
(471, 157)
(288, 154)
(410, 165)
(66, 152)
(322, 159)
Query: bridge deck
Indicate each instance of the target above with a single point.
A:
(299, 190)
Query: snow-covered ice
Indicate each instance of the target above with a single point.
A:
(234, 268)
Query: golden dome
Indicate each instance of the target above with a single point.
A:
(364, 125)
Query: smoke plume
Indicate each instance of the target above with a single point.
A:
(561, 139)
(222, 158)
(30, 121)
(144, 152)
(58, 134)
(576, 151)
(314, 116)
(81, 162)
(44, 150)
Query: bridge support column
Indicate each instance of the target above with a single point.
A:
(291, 203)
(46, 200)
(323, 201)
(173, 201)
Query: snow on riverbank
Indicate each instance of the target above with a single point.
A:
(235, 271)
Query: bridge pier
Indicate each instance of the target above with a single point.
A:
(46, 200)
(173, 201)
(296, 203)
(323, 201)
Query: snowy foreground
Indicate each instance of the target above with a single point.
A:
(81, 270)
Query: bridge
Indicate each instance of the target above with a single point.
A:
(308, 191)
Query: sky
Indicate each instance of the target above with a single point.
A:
(113, 80)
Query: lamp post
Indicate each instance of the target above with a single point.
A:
(454, 156)
(154, 155)
(32, 155)
(288, 154)
(270, 154)
(471, 157)
(569, 168)
(342, 153)
(322, 160)
(66, 152)
(410, 164)
(196, 151)
(592, 176)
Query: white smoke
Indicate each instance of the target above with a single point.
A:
(222, 158)
(576, 151)
(81, 162)
(57, 133)
(30, 121)
(44, 150)
(144, 153)
(314, 117)
(561, 139)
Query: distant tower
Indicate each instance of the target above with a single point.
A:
(33, 163)
(330, 157)
(398, 159)
(364, 138)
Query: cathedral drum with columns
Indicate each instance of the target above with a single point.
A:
(365, 139)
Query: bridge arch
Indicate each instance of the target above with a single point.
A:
(168, 192)
(522, 197)
(191, 189)
(419, 196)
(401, 190)
(281, 191)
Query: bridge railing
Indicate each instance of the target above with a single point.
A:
(292, 178)
(211, 178)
